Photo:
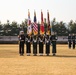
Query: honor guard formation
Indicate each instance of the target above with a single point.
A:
(41, 40)
(36, 40)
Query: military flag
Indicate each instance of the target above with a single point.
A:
(35, 26)
(48, 23)
(42, 24)
(29, 28)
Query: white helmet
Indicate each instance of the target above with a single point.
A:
(21, 32)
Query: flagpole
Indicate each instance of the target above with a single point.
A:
(51, 27)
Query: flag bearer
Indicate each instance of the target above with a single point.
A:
(35, 45)
(41, 43)
(47, 42)
(28, 45)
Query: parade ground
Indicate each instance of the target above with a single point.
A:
(11, 63)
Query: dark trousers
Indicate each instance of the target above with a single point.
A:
(35, 48)
(73, 44)
(54, 47)
(47, 49)
(21, 48)
(69, 44)
(28, 48)
(41, 47)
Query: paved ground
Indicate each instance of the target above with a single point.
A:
(13, 64)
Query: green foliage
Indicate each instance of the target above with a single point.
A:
(60, 29)
(13, 29)
(72, 26)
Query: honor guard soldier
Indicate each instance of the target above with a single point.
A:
(69, 40)
(35, 45)
(47, 42)
(21, 42)
(28, 45)
(41, 42)
(53, 41)
(73, 41)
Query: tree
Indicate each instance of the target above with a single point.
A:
(72, 27)
(23, 26)
(60, 29)
(1, 25)
(6, 28)
(1, 29)
(14, 28)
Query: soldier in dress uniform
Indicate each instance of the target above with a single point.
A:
(47, 42)
(21, 42)
(69, 40)
(35, 45)
(53, 41)
(28, 44)
(73, 41)
(41, 43)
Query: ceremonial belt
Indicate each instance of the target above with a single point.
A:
(53, 40)
(21, 41)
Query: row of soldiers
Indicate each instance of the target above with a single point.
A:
(71, 40)
(41, 40)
